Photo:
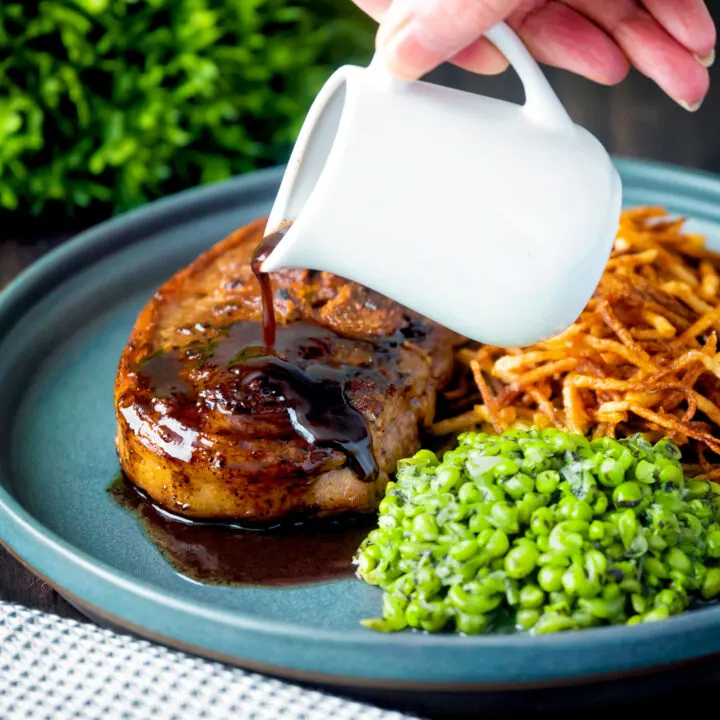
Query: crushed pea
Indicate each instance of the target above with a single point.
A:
(552, 529)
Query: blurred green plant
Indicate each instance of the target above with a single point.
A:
(109, 103)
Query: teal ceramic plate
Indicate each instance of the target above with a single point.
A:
(63, 325)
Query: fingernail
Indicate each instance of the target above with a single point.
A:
(690, 107)
(706, 60)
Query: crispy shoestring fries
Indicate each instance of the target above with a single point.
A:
(642, 357)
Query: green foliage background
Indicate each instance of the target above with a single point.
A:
(105, 104)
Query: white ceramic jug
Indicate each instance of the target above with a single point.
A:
(493, 219)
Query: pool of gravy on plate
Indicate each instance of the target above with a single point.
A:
(222, 554)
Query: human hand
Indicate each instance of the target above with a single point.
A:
(670, 41)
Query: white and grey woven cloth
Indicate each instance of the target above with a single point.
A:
(52, 668)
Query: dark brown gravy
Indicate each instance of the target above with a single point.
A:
(262, 253)
(299, 387)
(220, 554)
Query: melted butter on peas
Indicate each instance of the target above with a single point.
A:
(547, 528)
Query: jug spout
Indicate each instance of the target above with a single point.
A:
(301, 201)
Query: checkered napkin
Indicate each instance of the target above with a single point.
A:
(54, 668)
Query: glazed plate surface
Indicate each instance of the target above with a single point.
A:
(63, 325)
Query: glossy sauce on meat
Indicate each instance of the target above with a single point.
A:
(223, 554)
(297, 386)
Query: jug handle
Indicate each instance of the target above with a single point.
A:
(542, 105)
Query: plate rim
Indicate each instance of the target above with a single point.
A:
(125, 230)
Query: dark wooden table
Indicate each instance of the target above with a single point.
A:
(634, 119)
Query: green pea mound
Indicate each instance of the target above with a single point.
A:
(542, 531)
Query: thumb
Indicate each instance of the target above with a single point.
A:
(415, 36)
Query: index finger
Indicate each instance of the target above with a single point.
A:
(480, 56)
(416, 36)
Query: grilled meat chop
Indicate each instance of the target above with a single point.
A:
(205, 424)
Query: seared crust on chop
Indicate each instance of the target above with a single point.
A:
(202, 449)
